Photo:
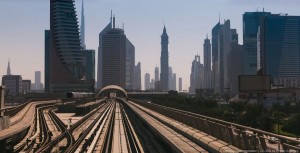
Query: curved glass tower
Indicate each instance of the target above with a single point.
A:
(66, 57)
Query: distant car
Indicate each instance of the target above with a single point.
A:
(273, 140)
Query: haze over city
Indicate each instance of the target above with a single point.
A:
(23, 23)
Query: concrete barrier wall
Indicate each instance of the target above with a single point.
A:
(4, 122)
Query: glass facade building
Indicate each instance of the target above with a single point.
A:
(279, 48)
(66, 56)
(251, 22)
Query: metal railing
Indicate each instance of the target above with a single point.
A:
(243, 137)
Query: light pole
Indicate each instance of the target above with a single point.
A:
(278, 85)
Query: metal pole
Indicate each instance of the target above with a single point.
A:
(278, 116)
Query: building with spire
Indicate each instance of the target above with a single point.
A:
(207, 63)
(67, 58)
(164, 61)
(100, 51)
(82, 28)
(8, 68)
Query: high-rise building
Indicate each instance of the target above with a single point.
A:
(90, 65)
(207, 63)
(235, 62)
(67, 58)
(37, 80)
(196, 77)
(174, 82)
(180, 84)
(279, 48)
(224, 40)
(164, 61)
(13, 83)
(99, 68)
(156, 72)
(47, 60)
(147, 81)
(26, 86)
(215, 47)
(137, 77)
(130, 63)
(170, 78)
(152, 84)
(114, 57)
(251, 22)
(82, 28)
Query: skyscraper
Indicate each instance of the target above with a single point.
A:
(174, 82)
(279, 49)
(235, 62)
(170, 78)
(67, 58)
(251, 22)
(47, 60)
(196, 79)
(224, 40)
(90, 65)
(37, 80)
(207, 63)
(147, 81)
(156, 72)
(164, 61)
(215, 46)
(137, 77)
(180, 84)
(152, 84)
(82, 28)
(100, 51)
(130, 63)
(114, 57)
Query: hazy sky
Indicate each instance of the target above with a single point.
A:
(22, 25)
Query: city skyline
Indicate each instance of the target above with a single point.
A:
(185, 39)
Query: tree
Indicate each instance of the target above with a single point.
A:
(292, 125)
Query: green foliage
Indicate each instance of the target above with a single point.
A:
(292, 125)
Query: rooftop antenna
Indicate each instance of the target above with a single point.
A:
(219, 17)
(263, 9)
(123, 26)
